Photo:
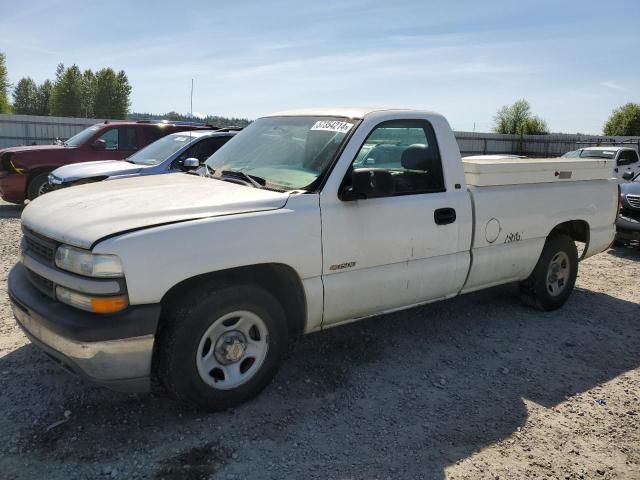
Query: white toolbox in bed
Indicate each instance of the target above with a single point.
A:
(495, 170)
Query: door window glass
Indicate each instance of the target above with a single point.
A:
(408, 150)
(127, 139)
(111, 139)
(627, 157)
(123, 138)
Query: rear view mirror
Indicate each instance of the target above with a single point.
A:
(627, 176)
(368, 183)
(99, 144)
(190, 163)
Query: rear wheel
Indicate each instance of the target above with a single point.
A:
(38, 185)
(220, 348)
(552, 280)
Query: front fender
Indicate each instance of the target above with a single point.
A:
(157, 258)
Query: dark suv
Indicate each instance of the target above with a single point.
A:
(628, 223)
(24, 170)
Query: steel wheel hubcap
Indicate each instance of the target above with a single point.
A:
(44, 188)
(232, 350)
(558, 274)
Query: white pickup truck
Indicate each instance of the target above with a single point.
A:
(305, 220)
(626, 164)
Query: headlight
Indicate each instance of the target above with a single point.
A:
(53, 180)
(91, 303)
(89, 264)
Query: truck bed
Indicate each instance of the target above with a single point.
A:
(493, 171)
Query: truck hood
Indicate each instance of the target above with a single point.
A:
(84, 214)
(102, 168)
(32, 148)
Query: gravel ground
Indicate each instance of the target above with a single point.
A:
(475, 387)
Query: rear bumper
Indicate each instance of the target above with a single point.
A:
(627, 229)
(111, 350)
(12, 187)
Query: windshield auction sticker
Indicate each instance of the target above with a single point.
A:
(332, 126)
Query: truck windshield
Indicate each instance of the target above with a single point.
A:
(289, 153)
(81, 137)
(160, 150)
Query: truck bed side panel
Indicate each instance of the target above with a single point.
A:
(512, 222)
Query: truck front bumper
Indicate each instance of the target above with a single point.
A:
(110, 350)
(627, 229)
(12, 187)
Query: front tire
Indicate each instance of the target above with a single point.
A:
(220, 348)
(38, 186)
(552, 280)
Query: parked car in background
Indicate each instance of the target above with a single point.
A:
(628, 223)
(24, 171)
(169, 154)
(626, 159)
(305, 220)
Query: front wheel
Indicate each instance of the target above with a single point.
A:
(552, 280)
(220, 348)
(38, 185)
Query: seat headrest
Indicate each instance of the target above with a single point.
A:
(416, 157)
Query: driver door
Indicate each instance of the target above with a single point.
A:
(381, 254)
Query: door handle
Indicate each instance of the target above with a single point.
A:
(444, 216)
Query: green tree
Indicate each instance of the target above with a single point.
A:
(624, 120)
(25, 97)
(42, 98)
(5, 107)
(518, 119)
(112, 93)
(88, 93)
(66, 97)
(123, 95)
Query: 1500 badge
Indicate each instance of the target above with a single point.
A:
(340, 266)
(512, 237)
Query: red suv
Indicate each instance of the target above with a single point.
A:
(24, 170)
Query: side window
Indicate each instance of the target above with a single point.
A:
(191, 152)
(208, 147)
(127, 138)
(627, 157)
(408, 150)
(123, 138)
(203, 149)
(111, 139)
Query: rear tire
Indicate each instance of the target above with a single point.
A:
(552, 280)
(38, 186)
(220, 348)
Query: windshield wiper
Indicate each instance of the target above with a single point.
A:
(252, 179)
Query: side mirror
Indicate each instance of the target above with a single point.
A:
(190, 163)
(627, 176)
(368, 183)
(99, 144)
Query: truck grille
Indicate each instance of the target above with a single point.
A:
(39, 247)
(634, 200)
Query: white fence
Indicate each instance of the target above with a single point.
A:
(31, 129)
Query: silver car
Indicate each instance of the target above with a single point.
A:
(177, 152)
